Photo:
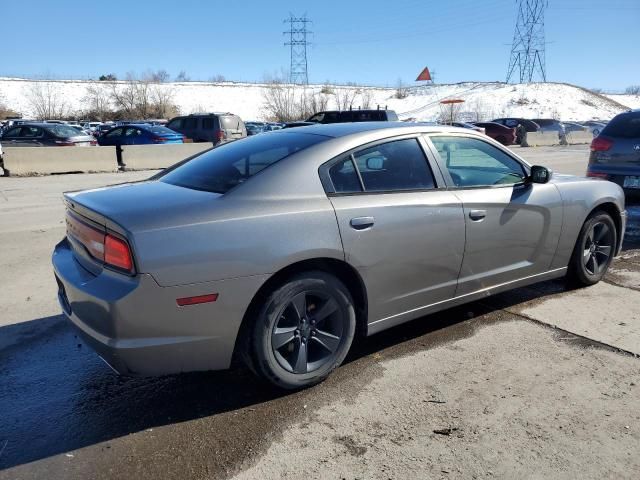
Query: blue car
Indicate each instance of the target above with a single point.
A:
(139, 134)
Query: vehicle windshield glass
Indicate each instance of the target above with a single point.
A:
(624, 126)
(232, 123)
(63, 131)
(226, 166)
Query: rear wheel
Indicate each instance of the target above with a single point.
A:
(594, 250)
(304, 330)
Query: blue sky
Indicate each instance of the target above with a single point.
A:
(590, 42)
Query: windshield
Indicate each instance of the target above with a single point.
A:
(224, 167)
(63, 131)
(626, 125)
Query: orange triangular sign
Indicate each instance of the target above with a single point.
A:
(424, 75)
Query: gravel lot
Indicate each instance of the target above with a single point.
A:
(538, 382)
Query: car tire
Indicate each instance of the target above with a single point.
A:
(594, 250)
(303, 330)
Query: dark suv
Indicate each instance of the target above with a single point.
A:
(344, 116)
(209, 127)
(615, 153)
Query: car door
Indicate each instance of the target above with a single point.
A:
(13, 137)
(113, 137)
(403, 234)
(512, 225)
(32, 136)
(133, 136)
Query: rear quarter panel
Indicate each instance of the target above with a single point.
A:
(581, 196)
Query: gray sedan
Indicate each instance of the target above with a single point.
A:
(280, 249)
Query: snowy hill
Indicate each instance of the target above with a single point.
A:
(482, 101)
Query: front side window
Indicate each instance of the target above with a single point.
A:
(224, 167)
(31, 132)
(176, 123)
(114, 133)
(473, 163)
(387, 167)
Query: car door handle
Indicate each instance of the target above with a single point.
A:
(361, 223)
(477, 215)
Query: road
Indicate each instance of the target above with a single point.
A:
(538, 382)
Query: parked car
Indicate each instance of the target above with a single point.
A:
(298, 124)
(343, 116)
(253, 129)
(615, 153)
(470, 126)
(279, 248)
(91, 126)
(139, 134)
(45, 135)
(513, 122)
(216, 128)
(500, 133)
(102, 129)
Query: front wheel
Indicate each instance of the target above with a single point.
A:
(303, 331)
(594, 250)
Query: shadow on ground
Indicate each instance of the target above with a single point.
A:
(58, 396)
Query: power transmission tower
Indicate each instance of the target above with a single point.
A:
(527, 50)
(298, 42)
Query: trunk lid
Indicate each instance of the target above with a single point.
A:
(136, 207)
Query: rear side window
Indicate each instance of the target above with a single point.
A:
(387, 167)
(224, 167)
(190, 123)
(207, 123)
(626, 125)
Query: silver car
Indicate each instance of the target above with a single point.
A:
(280, 249)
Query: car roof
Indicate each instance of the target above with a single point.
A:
(337, 130)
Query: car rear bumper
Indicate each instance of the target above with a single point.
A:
(136, 326)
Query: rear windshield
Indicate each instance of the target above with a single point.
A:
(626, 125)
(63, 131)
(231, 123)
(224, 167)
(159, 130)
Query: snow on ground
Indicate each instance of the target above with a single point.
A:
(631, 101)
(482, 100)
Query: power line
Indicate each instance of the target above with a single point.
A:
(298, 70)
(528, 47)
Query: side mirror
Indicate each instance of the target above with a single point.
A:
(540, 174)
(375, 163)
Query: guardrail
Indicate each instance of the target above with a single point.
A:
(47, 160)
(23, 161)
(150, 157)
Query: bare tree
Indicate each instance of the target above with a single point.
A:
(159, 76)
(632, 90)
(217, 78)
(182, 77)
(345, 98)
(477, 110)
(366, 98)
(46, 100)
(162, 102)
(280, 102)
(401, 90)
(98, 101)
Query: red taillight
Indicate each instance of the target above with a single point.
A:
(65, 143)
(597, 175)
(117, 253)
(93, 143)
(158, 140)
(220, 136)
(183, 302)
(601, 144)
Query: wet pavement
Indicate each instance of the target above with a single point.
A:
(65, 414)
